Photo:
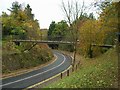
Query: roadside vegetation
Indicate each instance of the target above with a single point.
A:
(86, 29)
(99, 64)
(20, 24)
(90, 35)
(99, 72)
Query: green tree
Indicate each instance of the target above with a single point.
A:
(6, 24)
(28, 12)
(15, 8)
(51, 29)
(60, 30)
(20, 23)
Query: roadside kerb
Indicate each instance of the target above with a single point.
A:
(49, 80)
(29, 70)
(57, 77)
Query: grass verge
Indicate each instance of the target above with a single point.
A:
(99, 72)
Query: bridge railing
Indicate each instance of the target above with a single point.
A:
(44, 38)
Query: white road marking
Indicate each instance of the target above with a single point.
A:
(36, 74)
(35, 69)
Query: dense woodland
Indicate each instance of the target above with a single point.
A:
(99, 66)
(20, 24)
(100, 31)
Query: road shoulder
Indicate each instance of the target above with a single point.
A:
(23, 71)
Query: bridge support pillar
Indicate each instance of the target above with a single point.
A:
(17, 43)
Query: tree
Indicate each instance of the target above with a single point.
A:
(73, 12)
(101, 31)
(20, 23)
(88, 36)
(28, 12)
(6, 24)
(51, 29)
(57, 31)
(15, 8)
(60, 30)
(109, 22)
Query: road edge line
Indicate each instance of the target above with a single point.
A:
(32, 70)
(30, 76)
(48, 79)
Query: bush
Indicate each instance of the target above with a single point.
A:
(13, 59)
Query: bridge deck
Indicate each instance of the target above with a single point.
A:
(43, 41)
(100, 45)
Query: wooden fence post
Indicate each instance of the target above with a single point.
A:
(61, 75)
(67, 72)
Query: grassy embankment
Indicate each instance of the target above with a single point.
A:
(0, 48)
(99, 72)
(14, 59)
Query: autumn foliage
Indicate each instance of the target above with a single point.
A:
(20, 24)
(101, 31)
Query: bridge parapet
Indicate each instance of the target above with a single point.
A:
(44, 41)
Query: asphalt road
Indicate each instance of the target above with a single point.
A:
(28, 79)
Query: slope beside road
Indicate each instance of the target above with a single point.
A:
(28, 79)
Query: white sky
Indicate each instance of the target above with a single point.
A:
(45, 11)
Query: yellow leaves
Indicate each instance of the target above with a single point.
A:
(88, 27)
(28, 24)
(22, 31)
(22, 15)
(88, 34)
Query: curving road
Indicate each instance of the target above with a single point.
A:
(28, 79)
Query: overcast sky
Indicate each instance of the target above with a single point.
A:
(45, 11)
